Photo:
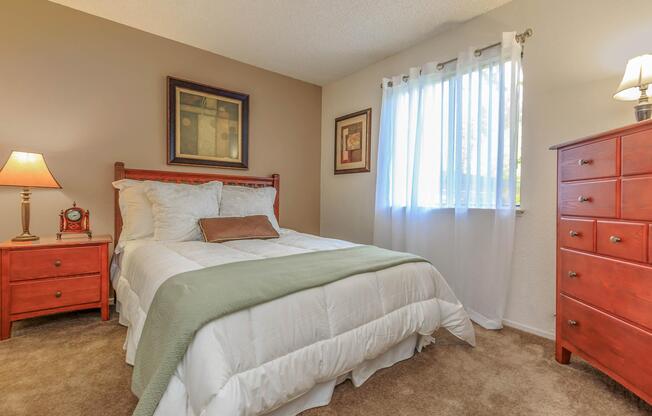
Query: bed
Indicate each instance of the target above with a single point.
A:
(286, 355)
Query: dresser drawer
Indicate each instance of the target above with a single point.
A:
(594, 199)
(577, 234)
(626, 240)
(624, 289)
(637, 199)
(53, 262)
(637, 153)
(595, 160)
(55, 293)
(649, 244)
(614, 344)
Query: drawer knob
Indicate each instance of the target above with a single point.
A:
(574, 233)
(572, 322)
(615, 239)
(57, 294)
(583, 162)
(572, 274)
(57, 263)
(583, 198)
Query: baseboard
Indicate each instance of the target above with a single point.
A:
(529, 329)
(483, 321)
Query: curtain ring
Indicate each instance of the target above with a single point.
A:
(440, 67)
(477, 53)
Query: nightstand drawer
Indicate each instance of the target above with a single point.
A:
(53, 262)
(56, 293)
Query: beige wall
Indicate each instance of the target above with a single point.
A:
(87, 92)
(572, 66)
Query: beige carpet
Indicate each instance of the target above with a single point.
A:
(73, 364)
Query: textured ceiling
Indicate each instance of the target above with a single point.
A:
(318, 41)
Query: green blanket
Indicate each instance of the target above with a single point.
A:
(186, 302)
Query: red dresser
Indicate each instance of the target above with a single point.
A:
(604, 254)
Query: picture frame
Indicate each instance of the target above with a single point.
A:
(353, 142)
(206, 126)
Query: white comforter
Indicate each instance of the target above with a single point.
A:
(286, 355)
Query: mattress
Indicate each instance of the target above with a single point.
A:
(284, 356)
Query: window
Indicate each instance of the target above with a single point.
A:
(454, 137)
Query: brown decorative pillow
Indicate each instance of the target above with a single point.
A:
(221, 229)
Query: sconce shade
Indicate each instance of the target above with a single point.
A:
(637, 73)
(27, 170)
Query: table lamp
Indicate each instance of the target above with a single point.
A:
(638, 74)
(27, 170)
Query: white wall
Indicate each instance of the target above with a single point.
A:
(572, 66)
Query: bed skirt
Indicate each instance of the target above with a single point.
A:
(174, 403)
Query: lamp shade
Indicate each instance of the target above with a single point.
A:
(637, 73)
(27, 170)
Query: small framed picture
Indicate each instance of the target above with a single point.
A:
(353, 142)
(207, 126)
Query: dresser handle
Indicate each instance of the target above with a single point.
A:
(614, 239)
(582, 198)
(583, 162)
(57, 294)
(57, 263)
(572, 322)
(574, 233)
(572, 274)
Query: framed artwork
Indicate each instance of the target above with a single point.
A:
(353, 142)
(207, 126)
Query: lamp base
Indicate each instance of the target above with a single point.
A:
(24, 211)
(643, 111)
(25, 237)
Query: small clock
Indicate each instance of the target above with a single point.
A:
(74, 220)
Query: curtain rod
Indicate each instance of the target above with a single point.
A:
(520, 38)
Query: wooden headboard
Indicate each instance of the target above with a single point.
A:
(186, 177)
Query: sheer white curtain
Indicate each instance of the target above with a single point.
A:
(447, 172)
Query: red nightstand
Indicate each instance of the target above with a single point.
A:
(50, 276)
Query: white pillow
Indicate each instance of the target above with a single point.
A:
(240, 201)
(136, 210)
(178, 207)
